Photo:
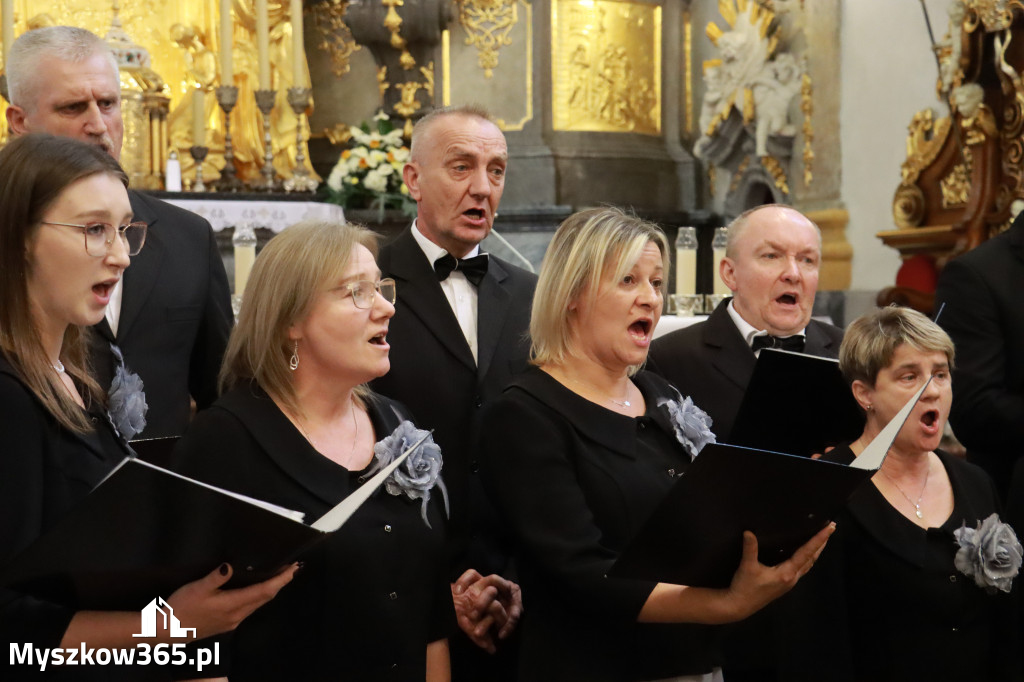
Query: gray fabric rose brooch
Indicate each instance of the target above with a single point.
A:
(420, 472)
(691, 424)
(126, 399)
(989, 553)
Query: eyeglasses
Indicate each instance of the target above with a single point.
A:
(100, 236)
(363, 291)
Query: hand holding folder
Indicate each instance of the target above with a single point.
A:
(144, 531)
(695, 536)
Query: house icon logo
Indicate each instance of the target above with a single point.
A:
(159, 607)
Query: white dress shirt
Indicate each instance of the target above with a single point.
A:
(461, 294)
(748, 331)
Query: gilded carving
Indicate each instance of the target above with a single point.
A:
(737, 177)
(807, 109)
(924, 141)
(956, 186)
(333, 35)
(908, 206)
(488, 24)
(606, 66)
(408, 105)
(393, 23)
(993, 14)
(778, 173)
(428, 79)
(382, 80)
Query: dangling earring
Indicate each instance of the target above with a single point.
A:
(293, 364)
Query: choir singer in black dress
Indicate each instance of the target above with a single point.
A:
(66, 237)
(297, 427)
(915, 584)
(580, 450)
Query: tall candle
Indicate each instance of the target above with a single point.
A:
(7, 8)
(298, 49)
(263, 43)
(686, 261)
(198, 117)
(227, 75)
(244, 241)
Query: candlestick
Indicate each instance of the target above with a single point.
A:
(265, 103)
(300, 181)
(227, 76)
(263, 44)
(198, 154)
(199, 117)
(227, 97)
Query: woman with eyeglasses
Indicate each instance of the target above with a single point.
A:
(297, 426)
(66, 235)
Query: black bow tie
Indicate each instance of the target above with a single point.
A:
(473, 268)
(791, 343)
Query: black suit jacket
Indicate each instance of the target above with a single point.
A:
(44, 470)
(983, 293)
(712, 363)
(434, 375)
(175, 316)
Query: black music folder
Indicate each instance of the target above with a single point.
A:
(695, 536)
(144, 531)
(796, 403)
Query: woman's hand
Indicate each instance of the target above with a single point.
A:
(755, 585)
(203, 605)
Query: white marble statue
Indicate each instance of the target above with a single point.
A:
(774, 88)
(950, 64)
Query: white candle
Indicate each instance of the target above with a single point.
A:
(245, 256)
(263, 43)
(227, 75)
(686, 271)
(298, 48)
(7, 9)
(198, 117)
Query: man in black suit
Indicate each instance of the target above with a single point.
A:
(172, 316)
(982, 292)
(771, 265)
(458, 337)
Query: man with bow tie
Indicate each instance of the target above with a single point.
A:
(458, 337)
(771, 265)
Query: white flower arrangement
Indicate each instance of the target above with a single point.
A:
(369, 173)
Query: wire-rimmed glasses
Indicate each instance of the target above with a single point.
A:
(364, 290)
(100, 236)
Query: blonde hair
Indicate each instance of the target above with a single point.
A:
(871, 340)
(293, 268)
(589, 247)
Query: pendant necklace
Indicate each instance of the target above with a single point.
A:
(620, 403)
(916, 505)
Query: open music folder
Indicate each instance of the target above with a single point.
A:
(796, 403)
(695, 536)
(144, 531)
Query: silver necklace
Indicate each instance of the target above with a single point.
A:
(355, 436)
(59, 366)
(917, 505)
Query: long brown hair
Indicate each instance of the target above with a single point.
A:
(34, 171)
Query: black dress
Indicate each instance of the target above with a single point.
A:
(368, 600)
(575, 482)
(885, 601)
(44, 470)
